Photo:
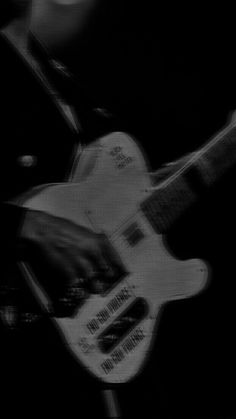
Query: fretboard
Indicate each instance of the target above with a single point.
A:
(178, 193)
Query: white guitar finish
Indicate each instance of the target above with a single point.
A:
(105, 194)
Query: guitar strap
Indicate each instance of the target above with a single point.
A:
(35, 67)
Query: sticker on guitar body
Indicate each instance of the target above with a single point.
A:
(112, 307)
(118, 355)
(120, 158)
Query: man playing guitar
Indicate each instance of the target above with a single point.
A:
(41, 141)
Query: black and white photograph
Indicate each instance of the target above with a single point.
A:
(118, 214)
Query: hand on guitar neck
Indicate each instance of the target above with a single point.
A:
(79, 260)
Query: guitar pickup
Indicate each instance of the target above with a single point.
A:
(122, 325)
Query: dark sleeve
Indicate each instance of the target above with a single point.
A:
(11, 220)
(12, 217)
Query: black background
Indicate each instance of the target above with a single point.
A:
(168, 72)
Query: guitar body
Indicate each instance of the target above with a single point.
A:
(105, 193)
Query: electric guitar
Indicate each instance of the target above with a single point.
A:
(111, 192)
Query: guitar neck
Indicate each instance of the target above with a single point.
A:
(179, 192)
